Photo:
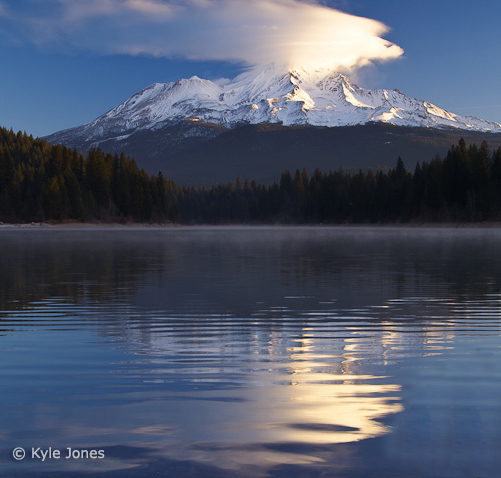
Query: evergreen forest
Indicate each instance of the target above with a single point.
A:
(41, 182)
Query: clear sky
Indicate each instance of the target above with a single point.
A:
(65, 62)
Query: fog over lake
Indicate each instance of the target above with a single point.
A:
(251, 351)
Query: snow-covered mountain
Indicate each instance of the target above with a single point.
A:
(270, 94)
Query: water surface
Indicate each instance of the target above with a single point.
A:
(248, 352)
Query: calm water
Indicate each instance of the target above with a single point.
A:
(252, 352)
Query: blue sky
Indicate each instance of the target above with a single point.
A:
(65, 62)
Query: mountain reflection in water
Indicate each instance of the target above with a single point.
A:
(252, 351)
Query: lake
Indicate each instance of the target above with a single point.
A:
(250, 352)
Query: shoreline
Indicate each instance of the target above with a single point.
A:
(83, 225)
(69, 225)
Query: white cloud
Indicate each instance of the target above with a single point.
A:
(75, 11)
(249, 31)
(149, 7)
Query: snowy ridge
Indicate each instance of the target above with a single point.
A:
(269, 94)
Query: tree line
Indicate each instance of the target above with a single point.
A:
(464, 186)
(40, 181)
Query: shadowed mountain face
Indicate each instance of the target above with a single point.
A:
(269, 119)
(263, 152)
(214, 154)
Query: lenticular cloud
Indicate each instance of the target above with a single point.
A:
(249, 31)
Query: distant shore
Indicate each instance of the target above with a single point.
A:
(82, 225)
(139, 225)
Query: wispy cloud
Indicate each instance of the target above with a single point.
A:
(249, 31)
(83, 10)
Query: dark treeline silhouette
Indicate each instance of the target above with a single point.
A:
(465, 186)
(40, 181)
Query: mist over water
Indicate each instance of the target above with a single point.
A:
(340, 352)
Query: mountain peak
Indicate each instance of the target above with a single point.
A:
(273, 70)
(273, 93)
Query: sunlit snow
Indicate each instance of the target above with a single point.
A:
(273, 94)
